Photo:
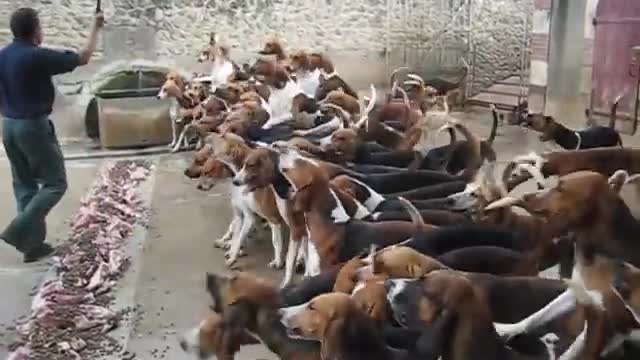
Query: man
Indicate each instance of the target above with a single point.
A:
(30, 142)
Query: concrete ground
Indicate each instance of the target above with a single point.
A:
(18, 280)
(178, 251)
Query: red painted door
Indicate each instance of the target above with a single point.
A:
(615, 73)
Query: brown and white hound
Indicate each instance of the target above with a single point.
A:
(247, 203)
(336, 236)
(261, 170)
(587, 204)
(249, 304)
(209, 339)
(605, 161)
(344, 330)
(222, 69)
(456, 311)
(307, 73)
(182, 110)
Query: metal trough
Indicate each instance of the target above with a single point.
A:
(125, 112)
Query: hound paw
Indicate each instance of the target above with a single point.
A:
(509, 331)
(220, 243)
(276, 264)
(284, 283)
(231, 261)
(550, 339)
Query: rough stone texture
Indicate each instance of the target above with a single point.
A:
(428, 35)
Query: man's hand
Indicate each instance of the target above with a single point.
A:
(85, 54)
(98, 21)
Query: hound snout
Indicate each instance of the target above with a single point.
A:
(240, 178)
(460, 201)
(388, 285)
(189, 342)
(288, 313)
(183, 345)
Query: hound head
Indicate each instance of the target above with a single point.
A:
(569, 204)
(258, 170)
(206, 339)
(317, 319)
(173, 86)
(343, 145)
(228, 290)
(213, 172)
(206, 54)
(543, 124)
(332, 82)
(320, 61)
(272, 46)
(211, 339)
(299, 60)
(197, 91)
(199, 158)
(226, 146)
(481, 192)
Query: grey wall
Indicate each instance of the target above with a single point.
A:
(365, 38)
(564, 98)
(426, 34)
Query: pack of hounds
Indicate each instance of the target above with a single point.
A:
(410, 250)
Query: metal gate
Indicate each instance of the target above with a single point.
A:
(492, 36)
(615, 67)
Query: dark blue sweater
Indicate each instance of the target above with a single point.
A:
(26, 89)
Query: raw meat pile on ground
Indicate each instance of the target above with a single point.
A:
(71, 315)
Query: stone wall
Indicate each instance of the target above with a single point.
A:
(429, 35)
(366, 39)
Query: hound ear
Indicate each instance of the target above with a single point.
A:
(328, 349)
(212, 280)
(414, 271)
(413, 137)
(346, 190)
(281, 79)
(453, 295)
(212, 38)
(302, 199)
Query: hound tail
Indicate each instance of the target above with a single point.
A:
(416, 217)
(494, 125)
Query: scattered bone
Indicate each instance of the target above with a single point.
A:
(71, 315)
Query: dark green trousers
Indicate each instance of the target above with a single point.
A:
(39, 178)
